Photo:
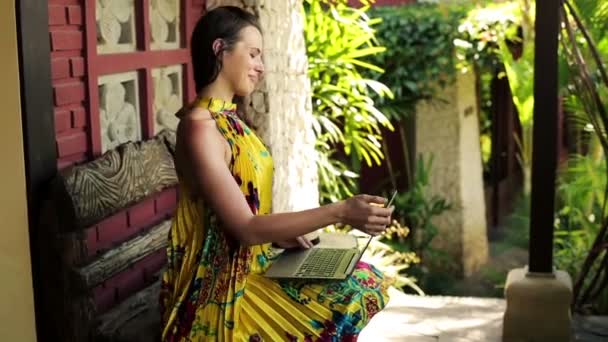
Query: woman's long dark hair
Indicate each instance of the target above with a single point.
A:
(223, 23)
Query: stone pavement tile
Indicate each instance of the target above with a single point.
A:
(457, 319)
(590, 328)
(434, 318)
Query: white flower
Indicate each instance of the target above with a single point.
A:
(462, 43)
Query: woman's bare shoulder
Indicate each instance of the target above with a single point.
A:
(194, 113)
(197, 127)
(196, 121)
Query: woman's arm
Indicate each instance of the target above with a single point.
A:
(204, 149)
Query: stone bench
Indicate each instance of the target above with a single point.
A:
(103, 244)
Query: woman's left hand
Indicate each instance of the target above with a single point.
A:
(299, 242)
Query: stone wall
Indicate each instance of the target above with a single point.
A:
(281, 108)
(448, 129)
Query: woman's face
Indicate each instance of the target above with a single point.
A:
(242, 66)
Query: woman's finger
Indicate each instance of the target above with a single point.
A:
(381, 211)
(374, 199)
(375, 227)
(379, 220)
(303, 241)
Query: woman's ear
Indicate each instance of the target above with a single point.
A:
(218, 47)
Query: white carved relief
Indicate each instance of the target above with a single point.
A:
(168, 97)
(115, 26)
(211, 4)
(164, 24)
(119, 109)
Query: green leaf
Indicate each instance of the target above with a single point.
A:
(365, 52)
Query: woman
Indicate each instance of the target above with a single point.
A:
(219, 243)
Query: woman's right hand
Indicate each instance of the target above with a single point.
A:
(366, 213)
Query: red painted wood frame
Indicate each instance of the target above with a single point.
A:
(143, 60)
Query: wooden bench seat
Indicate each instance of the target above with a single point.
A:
(136, 319)
(103, 245)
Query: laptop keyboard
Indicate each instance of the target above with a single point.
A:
(321, 262)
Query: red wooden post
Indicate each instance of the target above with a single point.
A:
(92, 74)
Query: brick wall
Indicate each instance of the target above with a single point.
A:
(67, 34)
(120, 227)
(66, 30)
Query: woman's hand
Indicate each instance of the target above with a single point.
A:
(300, 241)
(366, 213)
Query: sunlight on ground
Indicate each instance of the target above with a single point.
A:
(434, 318)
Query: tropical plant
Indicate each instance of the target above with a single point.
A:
(417, 208)
(393, 263)
(477, 48)
(419, 60)
(414, 229)
(581, 223)
(580, 198)
(500, 37)
(340, 41)
(410, 234)
(418, 63)
(347, 123)
(518, 72)
(584, 51)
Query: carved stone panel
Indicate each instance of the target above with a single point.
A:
(119, 109)
(168, 97)
(164, 24)
(115, 26)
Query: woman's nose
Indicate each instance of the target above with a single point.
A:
(260, 68)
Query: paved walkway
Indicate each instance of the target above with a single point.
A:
(590, 329)
(457, 319)
(433, 318)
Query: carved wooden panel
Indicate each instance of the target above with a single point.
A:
(119, 178)
(168, 97)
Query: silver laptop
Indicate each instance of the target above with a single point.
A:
(334, 257)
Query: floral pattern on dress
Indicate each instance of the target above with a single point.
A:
(213, 288)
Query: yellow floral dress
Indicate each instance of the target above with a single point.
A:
(214, 290)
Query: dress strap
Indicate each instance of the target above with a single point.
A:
(215, 105)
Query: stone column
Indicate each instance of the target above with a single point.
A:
(448, 129)
(281, 108)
